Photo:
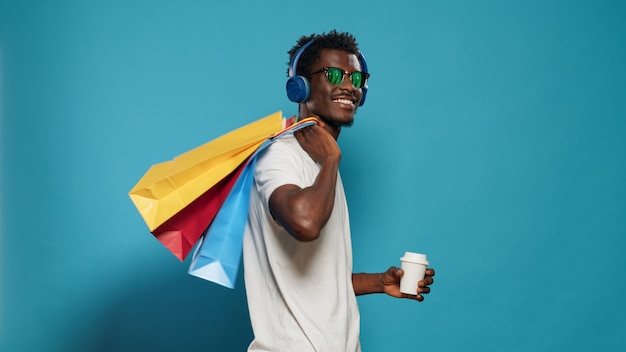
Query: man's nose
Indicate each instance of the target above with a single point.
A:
(346, 83)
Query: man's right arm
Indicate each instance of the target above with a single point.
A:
(303, 212)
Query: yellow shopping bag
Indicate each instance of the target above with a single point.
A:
(168, 187)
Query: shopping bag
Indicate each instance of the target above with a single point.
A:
(181, 232)
(218, 254)
(168, 187)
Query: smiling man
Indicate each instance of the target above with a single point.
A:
(297, 247)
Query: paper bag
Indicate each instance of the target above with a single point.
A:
(181, 232)
(168, 187)
(218, 255)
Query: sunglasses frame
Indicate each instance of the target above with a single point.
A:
(345, 73)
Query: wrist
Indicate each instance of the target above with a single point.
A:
(368, 283)
(331, 161)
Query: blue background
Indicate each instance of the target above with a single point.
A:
(493, 139)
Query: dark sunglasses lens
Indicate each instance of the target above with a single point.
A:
(357, 79)
(334, 75)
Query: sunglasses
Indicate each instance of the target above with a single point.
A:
(336, 75)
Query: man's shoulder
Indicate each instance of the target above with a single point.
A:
(283, 151)
(288, 138)
(284, 144)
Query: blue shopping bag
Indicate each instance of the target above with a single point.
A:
(219, 252)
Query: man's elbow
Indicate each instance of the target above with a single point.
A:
(306, 231)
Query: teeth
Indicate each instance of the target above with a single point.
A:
(344, 101)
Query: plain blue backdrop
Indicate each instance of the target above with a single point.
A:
(493, 140)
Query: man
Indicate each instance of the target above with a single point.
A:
(297, 247)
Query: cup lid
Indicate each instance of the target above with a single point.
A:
(414, 258)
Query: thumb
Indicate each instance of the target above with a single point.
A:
(392, 275)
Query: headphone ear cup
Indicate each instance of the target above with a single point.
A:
(298, 89)
(364, 90)
(364, 69)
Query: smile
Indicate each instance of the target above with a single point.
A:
(344, 101)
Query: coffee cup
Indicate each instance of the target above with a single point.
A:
(414, 267)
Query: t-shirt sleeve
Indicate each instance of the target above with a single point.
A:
(278, 165)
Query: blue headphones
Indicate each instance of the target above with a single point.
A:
(299, 88)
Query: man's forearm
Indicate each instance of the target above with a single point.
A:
(364, 283)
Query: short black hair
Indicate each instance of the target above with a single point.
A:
(332, 40)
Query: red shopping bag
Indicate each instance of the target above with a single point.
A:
(182, 231)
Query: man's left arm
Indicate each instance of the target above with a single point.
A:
(389, 283)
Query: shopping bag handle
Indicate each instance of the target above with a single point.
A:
(300, 124)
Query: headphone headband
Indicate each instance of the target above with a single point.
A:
(294, 62)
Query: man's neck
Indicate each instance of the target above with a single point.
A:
(329, 126)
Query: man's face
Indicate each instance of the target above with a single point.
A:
(334, 104)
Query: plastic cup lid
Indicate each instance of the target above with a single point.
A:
(414, 258)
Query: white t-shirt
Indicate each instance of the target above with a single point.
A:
(300, 294)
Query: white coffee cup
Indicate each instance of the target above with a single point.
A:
(414, 267)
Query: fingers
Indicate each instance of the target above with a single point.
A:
(317, 142)
(417, 297)
(428, 280)
(423, 285)
(422, 288)
(313, 128)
